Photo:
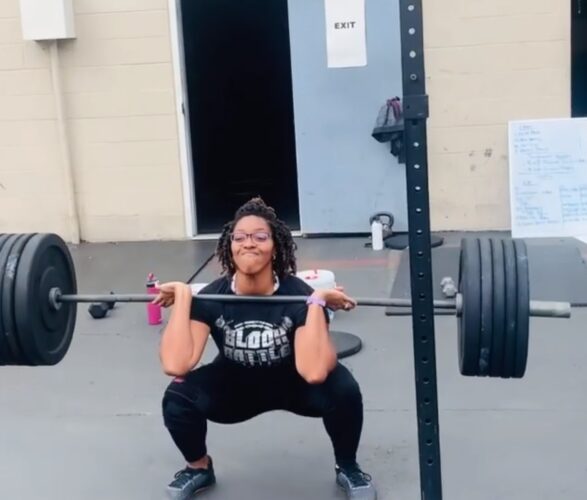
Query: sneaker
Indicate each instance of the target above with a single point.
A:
(190, 481)
(355, 483)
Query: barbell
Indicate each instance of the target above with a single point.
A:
(38, 297)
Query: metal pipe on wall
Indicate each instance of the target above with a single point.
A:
(67, 168)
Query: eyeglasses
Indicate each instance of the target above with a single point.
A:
(258, 237)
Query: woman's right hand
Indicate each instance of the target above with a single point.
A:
(336, 299)
(168, 292)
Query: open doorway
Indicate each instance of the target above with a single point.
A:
(579, 58)
(239, 85)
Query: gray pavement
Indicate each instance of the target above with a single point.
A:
(91, 427)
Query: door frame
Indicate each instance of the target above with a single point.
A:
(186, 157)
(578, 7)
(182, 114)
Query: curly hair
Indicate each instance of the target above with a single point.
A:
(285, 247)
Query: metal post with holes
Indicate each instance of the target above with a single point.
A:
(415, 114)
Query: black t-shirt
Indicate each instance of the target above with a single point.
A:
(254, 334)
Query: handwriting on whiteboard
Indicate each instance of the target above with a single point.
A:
(548, 177)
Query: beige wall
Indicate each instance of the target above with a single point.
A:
(487, 62)
(118, 86)
(30, 184)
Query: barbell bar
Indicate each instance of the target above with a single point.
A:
(539, 308)
(38, 297)
(56, 297)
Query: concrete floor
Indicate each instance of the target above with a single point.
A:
(91, 427)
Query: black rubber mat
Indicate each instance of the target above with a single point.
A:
(557, 272)
(346, 344)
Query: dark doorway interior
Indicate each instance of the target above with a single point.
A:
(238, 71)
(579, 58)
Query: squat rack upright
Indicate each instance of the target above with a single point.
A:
(415, 104)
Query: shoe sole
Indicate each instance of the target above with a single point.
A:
(191, 495)
(343, 488)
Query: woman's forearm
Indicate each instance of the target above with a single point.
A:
(177, 344)
(315, 352)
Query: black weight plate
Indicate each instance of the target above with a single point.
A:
(469, 324)
(346, 344)
(5, 357)
(9, 340)
(498, 340)
(486, 333)
(511, 310)
(7, 309)
(523, 325)
(45, 333)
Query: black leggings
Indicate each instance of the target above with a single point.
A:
(226, 394)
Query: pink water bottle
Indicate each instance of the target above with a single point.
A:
(153, 310)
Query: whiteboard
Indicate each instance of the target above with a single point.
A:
(548, 177)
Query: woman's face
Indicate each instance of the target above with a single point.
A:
(252, 245)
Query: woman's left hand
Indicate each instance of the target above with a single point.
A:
(336, 299)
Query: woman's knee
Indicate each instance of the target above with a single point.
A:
(181, 404)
